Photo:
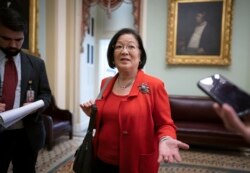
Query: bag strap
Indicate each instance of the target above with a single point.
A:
(94, 108)
(104, 87)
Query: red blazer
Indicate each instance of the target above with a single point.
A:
(144, 117)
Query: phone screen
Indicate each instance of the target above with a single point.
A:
(222, 91)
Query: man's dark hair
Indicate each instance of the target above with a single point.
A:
(12, 20)
(110, 52)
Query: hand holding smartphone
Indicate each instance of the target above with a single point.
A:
(221, 90)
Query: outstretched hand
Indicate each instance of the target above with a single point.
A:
(86, 107)
(169, 150)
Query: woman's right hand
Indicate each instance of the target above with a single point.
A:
(86, 107)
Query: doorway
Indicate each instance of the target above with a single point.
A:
(93, 62)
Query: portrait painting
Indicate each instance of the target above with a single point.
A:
(198, 32)
(28, 9)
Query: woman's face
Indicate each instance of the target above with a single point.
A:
(127, 53)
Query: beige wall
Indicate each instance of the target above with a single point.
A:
(59, 46)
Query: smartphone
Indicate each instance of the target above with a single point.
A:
(221, 90)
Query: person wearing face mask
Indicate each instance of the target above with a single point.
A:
(134, 128)
(20, 72)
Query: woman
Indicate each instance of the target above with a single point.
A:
(134, 128)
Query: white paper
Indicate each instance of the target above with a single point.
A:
(10, 117)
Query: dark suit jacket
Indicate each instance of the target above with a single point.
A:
(210, 41)
(33, 69)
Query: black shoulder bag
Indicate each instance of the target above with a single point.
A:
(83, 162)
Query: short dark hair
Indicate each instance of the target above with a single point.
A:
(110, 52)
(12, 20)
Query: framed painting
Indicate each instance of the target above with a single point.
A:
(199, 32)
(28, 9)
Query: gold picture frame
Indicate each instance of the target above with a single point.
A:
(212, 49)
(33, 28)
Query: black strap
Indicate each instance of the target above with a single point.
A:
(94, 108)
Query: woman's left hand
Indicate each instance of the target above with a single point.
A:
(169, 150)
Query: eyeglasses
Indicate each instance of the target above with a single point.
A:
(130, 47)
